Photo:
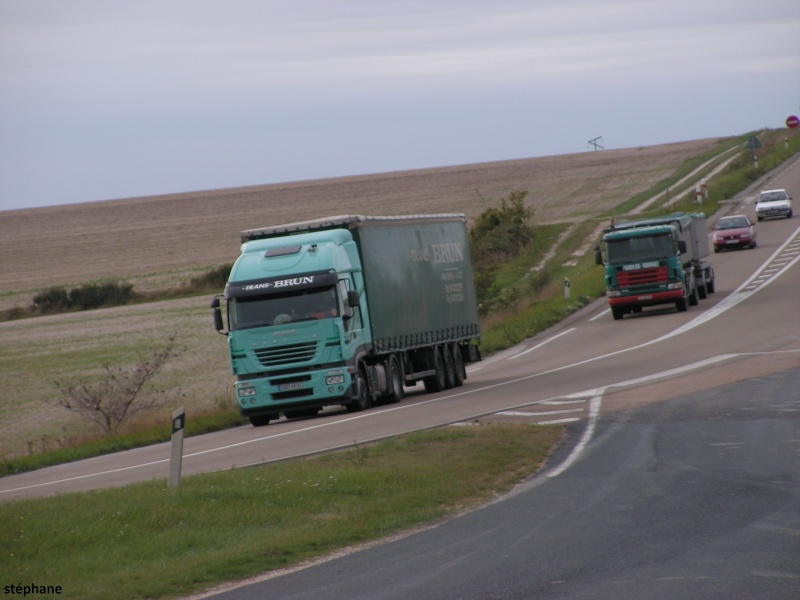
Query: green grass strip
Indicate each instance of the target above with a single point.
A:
(151, 541)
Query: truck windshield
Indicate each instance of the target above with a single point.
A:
(278, 309)
(636, 249)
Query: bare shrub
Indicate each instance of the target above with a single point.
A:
(119, 393)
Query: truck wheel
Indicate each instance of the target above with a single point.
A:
(617, 312)
(436, 382)
(702, 292)
(449, 367)
(395, 378)
(682, 305)
(360, 400)
(693, 301)
(458, 366)
(261, 420)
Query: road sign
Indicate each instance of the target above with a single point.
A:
(753, 143)
(792, 122)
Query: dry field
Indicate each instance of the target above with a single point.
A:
(160, 241)
(157, 240)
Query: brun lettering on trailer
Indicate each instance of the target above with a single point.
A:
(447, 253)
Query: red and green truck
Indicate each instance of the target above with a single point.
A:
(660, 260)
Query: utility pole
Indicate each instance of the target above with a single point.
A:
(595, 142)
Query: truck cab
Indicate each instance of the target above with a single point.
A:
(293, 340)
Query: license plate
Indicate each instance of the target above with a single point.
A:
(285, 387)
(732, 242)
(647, 297)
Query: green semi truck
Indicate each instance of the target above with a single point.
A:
(661, 260)
(347, 310)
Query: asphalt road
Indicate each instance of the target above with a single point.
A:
(681, 478)
(695, 497)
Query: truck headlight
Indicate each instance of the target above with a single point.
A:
(247, 391)
(613, 293)
(675, 286)
(334, 379)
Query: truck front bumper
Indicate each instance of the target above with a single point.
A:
(277, 393)
(646, 299)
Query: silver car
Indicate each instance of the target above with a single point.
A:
(773, 203)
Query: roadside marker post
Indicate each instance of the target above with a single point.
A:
(566, 288)
(178, 422)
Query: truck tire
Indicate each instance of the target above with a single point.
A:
(710, 285)
(617, 312)
(458, 364)
(449, 367)
(682, 305)
(702, 291)
(261, 420)
(693, 300)
(394, 380)
(361, 400)
(436, 382)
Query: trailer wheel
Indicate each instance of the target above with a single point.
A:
(361, 397)
(702, 292)
(436, 382)
(395, 377)
(449, 367)
(458, 366)
(710, 284)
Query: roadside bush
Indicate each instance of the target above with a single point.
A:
(86, 297)
(214, 279)
(502, 231)
(498, 234)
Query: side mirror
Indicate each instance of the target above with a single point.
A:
(352, 298)
(682, 246)
(352, 303)
(598, 257)
(218, 325)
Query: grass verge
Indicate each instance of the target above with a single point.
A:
(151, 541)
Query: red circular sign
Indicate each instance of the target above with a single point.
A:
(792, 122)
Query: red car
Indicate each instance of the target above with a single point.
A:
(735, 231)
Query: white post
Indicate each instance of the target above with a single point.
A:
(178, 422)
(566, 288)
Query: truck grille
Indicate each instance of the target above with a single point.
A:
(642, 276)
(284, 355)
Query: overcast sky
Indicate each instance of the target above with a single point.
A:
(106, 99)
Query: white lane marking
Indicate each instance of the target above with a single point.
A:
(594, 412)
(701, 364)
(557, 402)
(521, 413)
(558, 421)
(539, 345)
(600, 314)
